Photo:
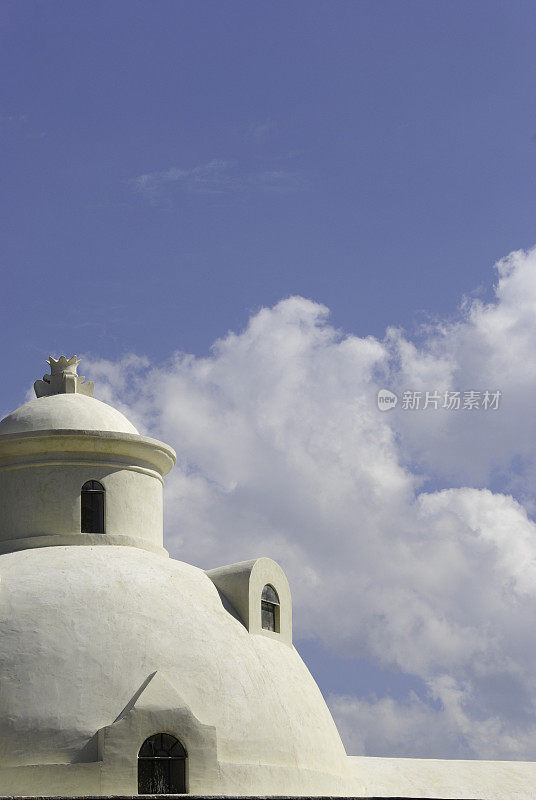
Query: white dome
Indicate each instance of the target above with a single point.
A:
(66, 412)
(82, 628)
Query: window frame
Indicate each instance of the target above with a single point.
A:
(165, 759)
(92, 489)
(270, 604)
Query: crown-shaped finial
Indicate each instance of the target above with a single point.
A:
(63, 364)
(63, 379)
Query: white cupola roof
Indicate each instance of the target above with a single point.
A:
(66, 412)
(64, 401)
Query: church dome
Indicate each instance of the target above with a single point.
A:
(90, 634)
(65, 412)
(109, 649)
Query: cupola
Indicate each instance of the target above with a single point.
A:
(75, 471)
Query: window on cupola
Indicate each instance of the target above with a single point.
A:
(270, 609)
(92, 505)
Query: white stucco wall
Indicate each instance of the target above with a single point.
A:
(42, 471)
(242, 584)
(450, 779)
(44, 500)
(82, 628)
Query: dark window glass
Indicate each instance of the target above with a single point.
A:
(162, 765)
(269, 608)
(270, 594)
(268, 616)
(92, 504)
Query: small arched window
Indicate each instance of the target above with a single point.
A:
(92, 503)
(270, 609)
(162, 765)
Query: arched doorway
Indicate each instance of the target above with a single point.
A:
(162, 765)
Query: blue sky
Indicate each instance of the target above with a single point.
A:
(376, 157)
(172, 168)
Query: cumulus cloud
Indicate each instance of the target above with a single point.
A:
(488, 346)
(283, 452)
(385, 726)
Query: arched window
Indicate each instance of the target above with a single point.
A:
(92, 502)
(162, 765)
(270, 609)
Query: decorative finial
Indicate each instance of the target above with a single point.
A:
(63, 379)
(63, 364)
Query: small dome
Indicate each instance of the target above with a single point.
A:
(66, 412)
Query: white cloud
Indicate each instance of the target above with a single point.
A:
(214, 178)
(386, 727)
(211, 178)
(404, 729)
(489, 346)
(282, 452)
(259, 133)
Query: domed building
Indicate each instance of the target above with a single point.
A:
(125, 672)
(121, 669)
